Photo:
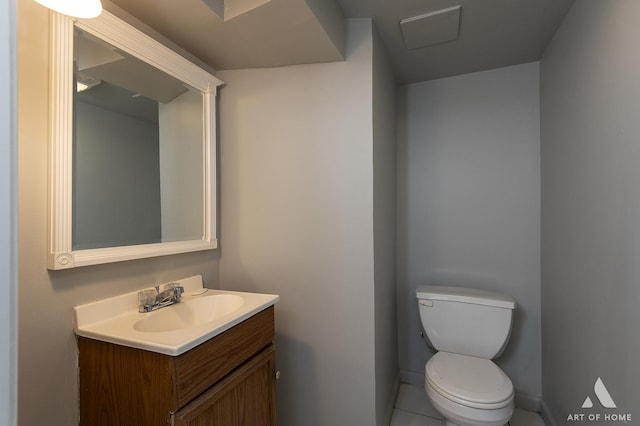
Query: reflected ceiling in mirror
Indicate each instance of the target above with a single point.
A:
(132, 146)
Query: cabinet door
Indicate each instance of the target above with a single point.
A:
(245, 398)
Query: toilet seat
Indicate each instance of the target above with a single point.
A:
(469, 381)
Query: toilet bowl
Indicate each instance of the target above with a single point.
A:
(469, 328)
(469, 391)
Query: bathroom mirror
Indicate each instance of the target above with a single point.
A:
(132, 146)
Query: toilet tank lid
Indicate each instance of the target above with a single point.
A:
(465, 295)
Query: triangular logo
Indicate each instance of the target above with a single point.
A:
(602, 394)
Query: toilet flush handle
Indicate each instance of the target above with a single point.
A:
(426, 302)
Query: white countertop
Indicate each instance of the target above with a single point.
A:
(114, 319)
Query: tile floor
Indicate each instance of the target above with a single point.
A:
(413, 409)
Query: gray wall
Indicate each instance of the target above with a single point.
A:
(297, 215)
(8, 220)
(384, 237)
(181, 124)
(469, 206)
(591, 209)
(47, 369)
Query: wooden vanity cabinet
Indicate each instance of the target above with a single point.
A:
(228, 380)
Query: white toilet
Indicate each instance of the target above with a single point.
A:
(469, 328)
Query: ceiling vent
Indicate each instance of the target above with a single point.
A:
(229, 9)
(431, 28)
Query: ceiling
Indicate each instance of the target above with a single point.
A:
(276, 33)
(492, 34)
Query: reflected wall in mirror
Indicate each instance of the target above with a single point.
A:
(137, 134)
(132, 146)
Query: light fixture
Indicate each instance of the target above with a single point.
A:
(75, 8)
(81, 87)
(84, 82)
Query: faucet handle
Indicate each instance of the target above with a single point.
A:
(176, 288)
(179, 290)
(146, 299)
(169, 286)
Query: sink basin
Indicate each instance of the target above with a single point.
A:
(189, 313)
(172, 330)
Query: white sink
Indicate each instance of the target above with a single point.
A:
(189, 313)
(172, 330)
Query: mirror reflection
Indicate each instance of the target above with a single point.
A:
(138, 151)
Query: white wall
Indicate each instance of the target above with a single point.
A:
(296, 164)
(384, 225)
(8, 210)
(591, 209)
(47, 371)
(469, 206)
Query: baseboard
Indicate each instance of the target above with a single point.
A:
(546, 416)
(526, 401)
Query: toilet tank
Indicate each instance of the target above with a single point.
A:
(465, 321)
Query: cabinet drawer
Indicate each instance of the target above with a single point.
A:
(244, 398)
(204, 365)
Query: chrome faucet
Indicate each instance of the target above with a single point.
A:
(152, 299)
